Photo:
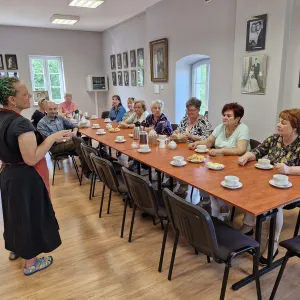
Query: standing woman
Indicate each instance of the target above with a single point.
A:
(39, 113)
(30, 226)
(117, 110)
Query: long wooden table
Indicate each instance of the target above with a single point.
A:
(256, 196)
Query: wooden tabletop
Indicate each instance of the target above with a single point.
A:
(256, 196)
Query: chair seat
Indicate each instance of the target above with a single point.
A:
(292, 244)
(230, 240)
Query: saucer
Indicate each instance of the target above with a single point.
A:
(106, 121)
(173, 164)
(123, 141)
(140, 151)
(199, 151)
(270, 167)
(94, 118)
(280, 186)
(93, 127)
(231, 187)
(101, 133)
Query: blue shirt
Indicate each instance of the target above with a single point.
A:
(116, 115)
(48, 126)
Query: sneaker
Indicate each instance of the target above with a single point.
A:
(167, 183)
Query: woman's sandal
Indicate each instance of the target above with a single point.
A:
(39, 265)
(13, 256)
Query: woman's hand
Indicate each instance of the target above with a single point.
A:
(192, 146)
(61, 136)
(215, 152)
(242, 160)
(282, 168)
(122, 125)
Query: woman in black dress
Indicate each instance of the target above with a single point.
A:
(30, 226)
(39, 113)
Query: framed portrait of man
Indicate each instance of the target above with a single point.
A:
(113, 62)
(120, 78)
(256, 33)
(1, 62)
(125, 60)
(114, 78)
(132, 59)
(140, 79)
(159, 60)
(126, 78)
(11, 62)
(140, 57)
(119, 60)
(133, 77)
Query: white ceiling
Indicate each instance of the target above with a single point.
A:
(36, 13)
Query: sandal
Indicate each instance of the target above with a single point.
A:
(13, 256)
(40, 264)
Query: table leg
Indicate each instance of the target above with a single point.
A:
(171, 183)
(159, 180)
(150, 174)
(109, 150)
(139, 168)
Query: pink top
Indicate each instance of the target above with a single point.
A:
(67, 107)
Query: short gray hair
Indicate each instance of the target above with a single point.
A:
(68, 93)
(159, 102)
(193, 102)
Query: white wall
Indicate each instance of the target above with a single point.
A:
(81, 52)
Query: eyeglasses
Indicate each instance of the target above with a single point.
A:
(191, 110)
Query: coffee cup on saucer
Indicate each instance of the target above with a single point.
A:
(100, 131)
(231, 181)
(280, 180)
(201, 148)
(178, 160)
(108, 126)
(264, 162)
(144, 148)
(120, 138)
(107, 120)
(96, 126)
(94, 117)
(134, 145)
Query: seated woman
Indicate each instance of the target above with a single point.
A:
(157, 120)
(117, 111)
(229, 138)
(68, 106)
(39, 113)
(283, 150)
(130, 105)
(139, 115)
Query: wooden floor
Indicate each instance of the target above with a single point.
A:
(93, 262)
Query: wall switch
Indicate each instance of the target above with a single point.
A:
(156, 89)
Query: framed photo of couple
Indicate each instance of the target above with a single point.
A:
(256, 33)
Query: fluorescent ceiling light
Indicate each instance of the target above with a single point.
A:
(85, 3)
(64, 20)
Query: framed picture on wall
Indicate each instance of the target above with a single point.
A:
(120, 78)
(1, 62)
(140, 79)
(133, 77)
(254, 74)
(125, 60)
(114, 78)
(11, 62)
(256, 33)
(119, 60)
(132, 59)
(140, 57)
(113, 62)
(159, 60)
(39, 95)
(13, 74)
(126, 78)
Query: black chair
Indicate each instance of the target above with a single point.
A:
(107, 174)
(293, 249)
(143, 195)
(87, 150)
(174, 126)
(77, 142)
(207, 235)
(105, 114)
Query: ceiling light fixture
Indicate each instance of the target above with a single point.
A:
(64, 20)
(85, 3)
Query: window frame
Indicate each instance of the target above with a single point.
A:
(47, 81)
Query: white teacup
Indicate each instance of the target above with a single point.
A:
(134, 145)
(101, 131)
(201, 148)
(144, 148)
(107, 120)
(280, 179)
(162, 137)
(178, 160)
(232, 181)
(120, 138)
(264, 162)
(108, 126)
(94, 117)
(96, 126)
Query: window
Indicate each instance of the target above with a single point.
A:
(200, 83)
(47, 74)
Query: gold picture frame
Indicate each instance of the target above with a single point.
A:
(159, 60)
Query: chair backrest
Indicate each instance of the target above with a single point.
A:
(141, 192)
(174, 126)
(254, 144)
(193, 222)
(106, 172)
(87, 150)
(77, 142)
(105, 114)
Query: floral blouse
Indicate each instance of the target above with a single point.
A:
(202, 128)
(161, 126)
(279, 153)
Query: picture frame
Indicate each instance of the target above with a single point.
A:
(254, 74)
(120, 78)
(126, 78)
(114, 78)
(1, 62)
(125, 60)
(140, 57)
(13, 74)
(256, 33)
(140, 77)
(132, 59)
(119, 60)
(159, 60)
(11, 61)
(133, 77)
(39, 95)
(113, 62)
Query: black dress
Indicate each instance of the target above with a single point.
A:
(36, 117)
(30, 226)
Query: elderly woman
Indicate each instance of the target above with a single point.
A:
(130, 105)
(30, 226)
(229, 138)
(68, 106)
(139, 115)
(117, 110)
(283, 150)
(39, 113)
(157, 120)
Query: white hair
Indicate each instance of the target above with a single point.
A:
(68, 94)
(155, 102)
